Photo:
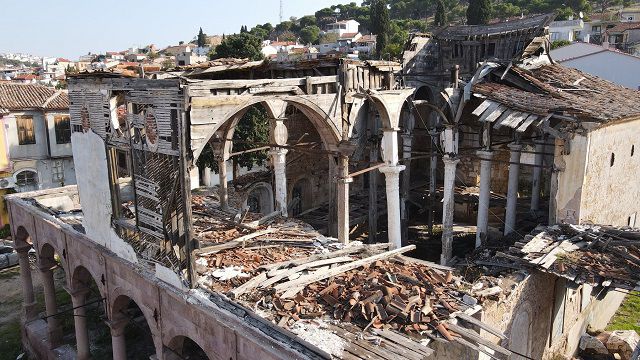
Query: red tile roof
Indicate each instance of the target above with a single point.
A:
(594, 99)
(22, 96)
(348, 36)
(623, 26)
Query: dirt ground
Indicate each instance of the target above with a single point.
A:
(11, 310)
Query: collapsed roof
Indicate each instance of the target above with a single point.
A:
(585, 254)
(519, 98)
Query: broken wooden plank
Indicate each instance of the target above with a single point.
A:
(209, 250)
(469, 334)
(471, 320)
(404, 341)
(345, 251)
(286, 273)
(343, 268)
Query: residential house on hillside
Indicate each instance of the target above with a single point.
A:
(343, 27)
(35, 140)
(37, 137)
(189, 57)
(609, 64)
(569, 30)
(624, 36)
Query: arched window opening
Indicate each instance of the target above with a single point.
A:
(26, 180)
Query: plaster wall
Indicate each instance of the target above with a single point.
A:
(90, 157)
(57, 150)
(570, 162)
(31, 151)
(605, 183)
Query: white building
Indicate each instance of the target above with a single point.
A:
(344, 27)
(36, 131)
(569, 30)
(188, 57)
(615, 66)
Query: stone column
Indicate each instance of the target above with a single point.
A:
(406, 186)
(373, 194)
(433, 172)
(537, 175)
(53, 326)
(279, 136)
(78, 299)
(343, 199)
(448, 204)
(485, 195)
(279, 161)
(118, 341)
(223, 192)
(512, 191)
(29, 302)
(392, 185)
(206, 176)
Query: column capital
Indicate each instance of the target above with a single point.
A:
(76, 293)
(390, 129)
(276, 151)
(345, 180)
(448, 160)
(24, 249)
(392, 169)
(117, 326)
(485, 154)
(515, 147)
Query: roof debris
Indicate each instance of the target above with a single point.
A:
(595, 255)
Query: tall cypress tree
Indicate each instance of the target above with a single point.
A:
(478, 12)
(202, 38)
(441, 14)
(380, 24)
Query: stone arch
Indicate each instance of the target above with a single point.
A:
(264, 194)
(81, 277)
(328, 131)
(123, 313)
(301, 188)
(186, 348)
(389, 105)
(46, 257)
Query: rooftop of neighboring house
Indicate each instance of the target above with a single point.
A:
(62, 60)
(25, 77)
(555, 89)
(27, 96)
(369, 38)
(581, 49)
(348, 36)
(622, 27)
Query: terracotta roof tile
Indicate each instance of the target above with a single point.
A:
(563, 89)
(21, 96)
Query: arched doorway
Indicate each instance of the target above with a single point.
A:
(182, 347)
(259, 198)
(136, 334)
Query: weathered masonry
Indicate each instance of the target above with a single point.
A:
(492, 140)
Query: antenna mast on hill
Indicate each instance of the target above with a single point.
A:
(281, 8)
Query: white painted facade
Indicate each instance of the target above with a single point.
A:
(600, 166)
(343, 27)
(52, 162)
(570, 30)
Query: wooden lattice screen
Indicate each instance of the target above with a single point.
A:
(144, 120)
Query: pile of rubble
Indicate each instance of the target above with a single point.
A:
(596, 255)
(604, 345)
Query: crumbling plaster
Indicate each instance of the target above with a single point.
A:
(90, 156)
(570, 164)
(605, 182)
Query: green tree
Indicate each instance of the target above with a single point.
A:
(252, 129)
(559, 43)
(241, 46)
(310, 34)
(202, 39)
(309, 20)
(441, 14)
(478, 12)
(380, 24)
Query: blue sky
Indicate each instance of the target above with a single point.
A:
(70, 28)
